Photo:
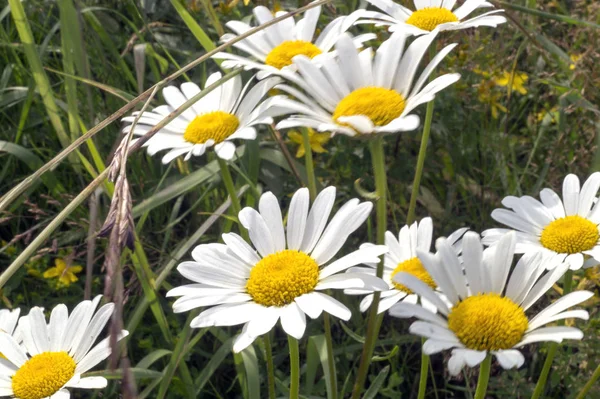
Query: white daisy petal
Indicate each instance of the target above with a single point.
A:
(317, 219)
(334, 307)
(293, 320)
(297, 218)
(310, 304)
(258, 230)
(554, 334)
(563, 303)
(11, 350)
(422, 290)
(571, 194)
(433, 346)
(271, 213)
(510, 358)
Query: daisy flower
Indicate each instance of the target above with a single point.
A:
(487, 314)
(431, 15)
(273, 48)
(225, 114)
(284, 276)
(562, 230)
(361, 92)
(54, 355)
(402, 257)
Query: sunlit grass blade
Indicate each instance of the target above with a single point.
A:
(39, 75)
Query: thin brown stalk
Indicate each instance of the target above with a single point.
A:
(286, 154)
(91, 244)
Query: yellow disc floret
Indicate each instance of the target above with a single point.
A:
(415, 267)
(281, 56)
(488, 322)
(429, 17)
(570, 235)
(377, 103)
(281, 277)
(43, 375)
(216, 125)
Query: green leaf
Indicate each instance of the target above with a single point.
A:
(377, 383)
(317, 345)
(117, 374)
(152, 357)
(32, 161)
(252, 372)
(213, 364)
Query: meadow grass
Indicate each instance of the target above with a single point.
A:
(68, 65)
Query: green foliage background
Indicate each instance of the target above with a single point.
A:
(97, 55)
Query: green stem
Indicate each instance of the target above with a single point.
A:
(552, 347)
(310, 168)
(229, 186)
(589, 384)
(378, 159)
(270, 369)
(312, 189)
(484, 377)
(424, 373)
(410, 217)
(330, 356)
(294, 368)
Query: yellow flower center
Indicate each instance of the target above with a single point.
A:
(377, 103)
(216, 125)
(429, 17)
(488, 322)
(415, 267)
(281, 277)
(570, 235)
(281, 56)
(43, 375)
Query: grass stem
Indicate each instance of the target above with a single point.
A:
(378, 160)
(484, 377)
(553, 346)
(294, 368)
(270, 368)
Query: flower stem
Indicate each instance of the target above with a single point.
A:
(484, 377)
(589, 384)
(553, 346)
(330, 356)
(378, 158)
(294, 368)
(312, 189)
(270, 369)
(310, 168)
(410, 217)
(229, 186)
(424, 373)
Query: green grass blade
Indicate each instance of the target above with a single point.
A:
(213, 364)
(206, 42)
(377, 384)
(69, 31)
(32, 161)
(252, 371)
(35, 65)
(319, 346)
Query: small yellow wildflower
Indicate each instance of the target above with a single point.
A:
(316, 141)
(551, 115)
(518, 81)
(490, 97)
(66, 274)
(574, 60)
